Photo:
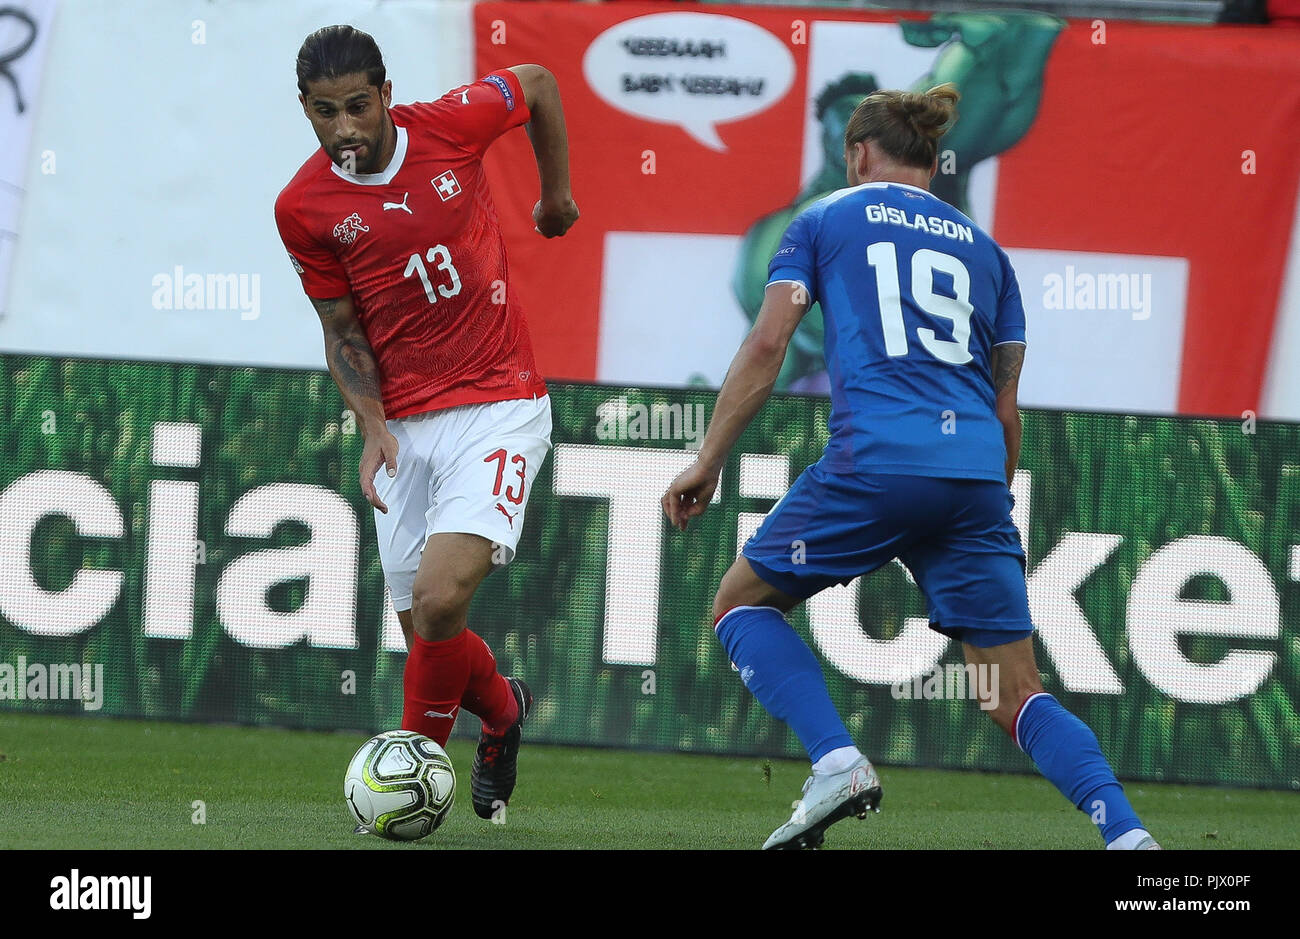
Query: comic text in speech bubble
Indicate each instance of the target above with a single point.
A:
(695, 70)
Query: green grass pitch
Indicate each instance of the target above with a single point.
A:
(89, 783)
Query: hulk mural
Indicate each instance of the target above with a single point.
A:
(996, 60)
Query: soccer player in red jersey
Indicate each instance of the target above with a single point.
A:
(392, 229)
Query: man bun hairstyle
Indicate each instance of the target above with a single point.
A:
(907, 125)
(334, 51)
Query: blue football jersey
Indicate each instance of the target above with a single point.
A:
(914, 296)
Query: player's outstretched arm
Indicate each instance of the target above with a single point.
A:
(556, 211)
(354, 369)
(748, 384)
(1008, 358)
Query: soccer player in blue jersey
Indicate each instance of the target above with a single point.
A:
(925, 334)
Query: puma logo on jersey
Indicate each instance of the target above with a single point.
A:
(347, 230)
(400, 205)
(510, 518)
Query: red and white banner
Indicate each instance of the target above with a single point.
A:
(1142, 178)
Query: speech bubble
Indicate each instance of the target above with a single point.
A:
(694, 70)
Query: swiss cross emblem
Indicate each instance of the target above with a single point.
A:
(446, 185)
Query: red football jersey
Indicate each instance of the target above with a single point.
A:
(419, 248)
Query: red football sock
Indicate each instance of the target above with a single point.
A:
(487, 693)
(433, 683)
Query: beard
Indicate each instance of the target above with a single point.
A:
(342, 157)
(367, 165)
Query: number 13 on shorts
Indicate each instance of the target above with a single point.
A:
(514, 493)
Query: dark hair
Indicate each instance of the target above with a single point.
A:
(906, 124)
(333, 51)
(850, 84)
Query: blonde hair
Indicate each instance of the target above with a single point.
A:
(907, 125)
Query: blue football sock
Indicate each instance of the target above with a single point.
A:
(780, 671)
(1066, 751)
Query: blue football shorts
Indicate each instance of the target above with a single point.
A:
(954, 535)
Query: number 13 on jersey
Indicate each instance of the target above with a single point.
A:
(440, 256)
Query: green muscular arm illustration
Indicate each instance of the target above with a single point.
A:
(996, 60)
(804, 355)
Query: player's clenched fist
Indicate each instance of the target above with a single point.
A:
(380, 450)
(554, 219)
(689, 494)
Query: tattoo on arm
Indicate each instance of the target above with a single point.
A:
(347, 351)
(1007, 360)
(354, 364)
(325, 309)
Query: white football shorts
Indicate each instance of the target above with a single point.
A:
(467, 469)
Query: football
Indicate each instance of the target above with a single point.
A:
(400, 785)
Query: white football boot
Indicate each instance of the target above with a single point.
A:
(1134, 839)
(827, 798)
(1137, 839)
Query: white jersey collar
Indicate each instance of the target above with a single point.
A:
(877, 185)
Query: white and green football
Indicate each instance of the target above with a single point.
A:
(400, 785)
